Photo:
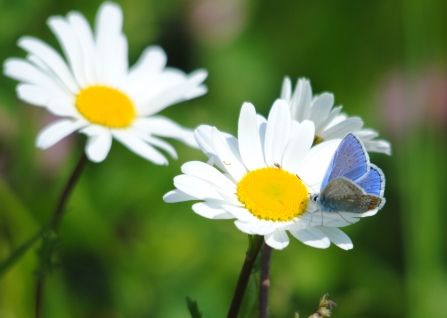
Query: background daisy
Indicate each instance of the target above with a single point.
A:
(264, 179)
(329, 122)
(97, 93)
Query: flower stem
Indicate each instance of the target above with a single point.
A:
(60, 207)
(55, 225)
(264, 287)
(254, 247)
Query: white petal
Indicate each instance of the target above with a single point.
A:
(57, 104)
(312, 236)
(243, 226)
(337, 236)
(278, 132)
(202, 134)
(195, 187)
(98, 146)
(228, 156)
(70, 45)
(206, 172)
(261, 227)
(33, 94)
(301, 100)
(286, 89)
(111, 53)
(277, 239)
(379, 145)
(248, 136)
(211, 210)
(340, 130)
(56, 131)
(330, 119)
(239, 213)
(52, 59)
(262, 128)
(151, 63)
(177, 196)
(335, 219)
(298, 146)
(27, 72)
(157, 142)
(170, 94)
(139, 147)
(165, 127)
(84, 35)
(196, 92)
(366, 134)
(321, 108)
(316, 162)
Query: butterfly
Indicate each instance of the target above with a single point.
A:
(351, 183)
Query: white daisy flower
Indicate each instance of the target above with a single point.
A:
(329, 122)
(264, 179)
(97, 93)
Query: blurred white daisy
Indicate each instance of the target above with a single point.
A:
(97, 93)
(264, 179)
(329, 122)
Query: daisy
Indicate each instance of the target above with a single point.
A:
(329, 122)
(264, 179)
(96, 93)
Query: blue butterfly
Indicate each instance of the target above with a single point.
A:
(351, 183)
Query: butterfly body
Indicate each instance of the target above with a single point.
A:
(351, 183)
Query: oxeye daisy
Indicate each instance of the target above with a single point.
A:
(264, 179)
(329, 122)
(96, 93)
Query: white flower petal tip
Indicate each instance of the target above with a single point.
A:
(277, 240)
(337, 237)
(57, 131)
(177, 196)
(312, 236)
(94, 67)
(98, 146)
(329, 123)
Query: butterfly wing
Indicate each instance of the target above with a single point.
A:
(342, 195)
(373, 182)
(350, 161)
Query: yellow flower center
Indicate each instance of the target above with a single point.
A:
(273, 194)
(106, 106)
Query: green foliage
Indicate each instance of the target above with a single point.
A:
(193, 308)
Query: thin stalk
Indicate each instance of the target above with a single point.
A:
(56, 222)
(264, 287)
(254, 247)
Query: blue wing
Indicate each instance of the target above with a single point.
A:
(373, 182)
(350, 161)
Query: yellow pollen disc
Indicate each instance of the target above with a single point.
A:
(106, 106)
(273, 194)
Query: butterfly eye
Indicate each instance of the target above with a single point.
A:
(314, 197)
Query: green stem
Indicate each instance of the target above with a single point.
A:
(55, 225)
(254, 247)
(264, 287)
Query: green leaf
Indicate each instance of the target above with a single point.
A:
(17, 254)
(193, 308)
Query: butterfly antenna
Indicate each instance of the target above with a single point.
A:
(309, 185)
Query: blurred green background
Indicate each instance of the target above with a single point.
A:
(125, 253)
